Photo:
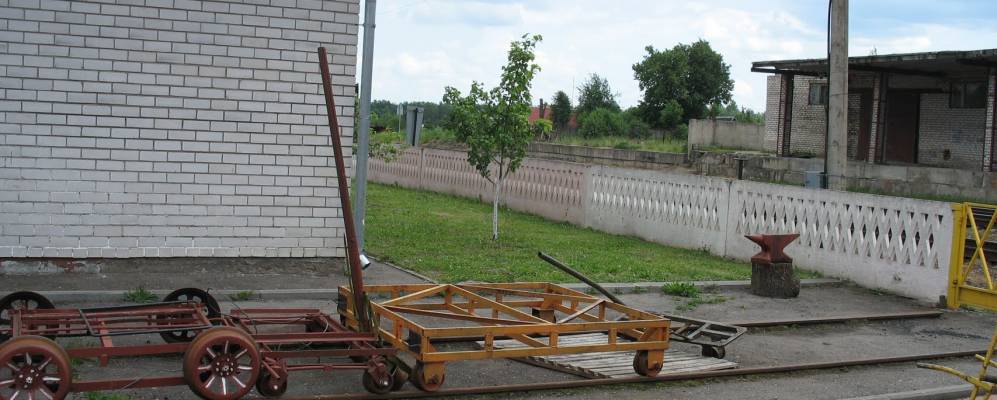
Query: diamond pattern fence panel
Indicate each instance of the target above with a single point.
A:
(676, 209)
(899, 244)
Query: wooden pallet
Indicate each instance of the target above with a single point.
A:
(616, 364)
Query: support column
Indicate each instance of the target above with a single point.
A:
(785, 126)
(836, 145)
(990, 137)
(879, 89)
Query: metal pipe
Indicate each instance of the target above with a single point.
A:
(661, 378)
(363, 133)
(352, 248)
(576, 274)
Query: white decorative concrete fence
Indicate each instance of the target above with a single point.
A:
(897, 244)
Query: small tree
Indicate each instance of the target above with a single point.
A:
(560, 109)
(595, 93)
(494, 124)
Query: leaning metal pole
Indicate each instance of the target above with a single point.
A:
(363, 134)
(352, 249)
(571, 271)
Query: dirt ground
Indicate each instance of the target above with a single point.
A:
(954, 331)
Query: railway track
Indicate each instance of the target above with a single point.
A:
(739, 372)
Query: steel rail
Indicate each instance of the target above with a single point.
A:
(841, 319)
(528, 387)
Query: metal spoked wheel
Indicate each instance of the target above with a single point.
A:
(212, 310)
(19, 301)
(34, 367)
(221, 363)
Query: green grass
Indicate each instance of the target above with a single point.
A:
(242, 296)
(681, 289)
(437, 135)
(139, 295)
(667, 145)
(449, 239)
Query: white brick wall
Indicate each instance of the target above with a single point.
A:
(164, 128)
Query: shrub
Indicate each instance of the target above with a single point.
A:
(636, 128)
(386, 145)
(681, 289)
(671, 115)
(601, 122)
(438, 135)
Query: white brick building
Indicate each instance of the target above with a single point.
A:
(923, 109)
(168, 128)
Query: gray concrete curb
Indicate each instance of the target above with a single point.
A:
(942, 393)
(623, 288)
(223, 295)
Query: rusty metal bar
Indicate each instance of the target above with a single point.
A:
(578, 275)
(352, 248)
(661, 378)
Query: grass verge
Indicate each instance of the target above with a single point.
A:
(448, 238)
(666, 145)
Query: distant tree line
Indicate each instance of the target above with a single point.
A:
(685, 82)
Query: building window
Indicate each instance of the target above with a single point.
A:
(971, 94)
(818, 94)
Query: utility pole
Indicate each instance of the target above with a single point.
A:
(836, 143)
(363, 147)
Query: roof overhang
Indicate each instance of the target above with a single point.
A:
(933, 64)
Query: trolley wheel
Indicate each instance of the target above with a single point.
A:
(376, 385)
(400, 377)
(221, 364)
(269, 387)
(714, 351)
(423, 383)
(38, 368)
(19, 301)
(641, 367)
(190, 295)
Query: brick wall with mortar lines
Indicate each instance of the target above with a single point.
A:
(958, 130)
(961, 131)
(807, 135)
(773, 113)
(159, 128)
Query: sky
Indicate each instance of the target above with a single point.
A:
(422, 46)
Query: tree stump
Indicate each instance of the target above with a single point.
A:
(774, 280)
(772, 272)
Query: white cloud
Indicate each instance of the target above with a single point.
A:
(425, 45)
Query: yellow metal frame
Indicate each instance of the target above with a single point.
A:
(965, 227)
(500, 315)
(980, 385)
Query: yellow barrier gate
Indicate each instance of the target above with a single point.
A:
(971, 281)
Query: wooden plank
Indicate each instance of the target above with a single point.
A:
(614, 364)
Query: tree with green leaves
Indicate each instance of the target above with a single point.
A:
(494, 124)
(560, 110)
(694, 76)
(595, 93)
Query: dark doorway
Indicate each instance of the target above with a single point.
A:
(865, 125)
(902, 114)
